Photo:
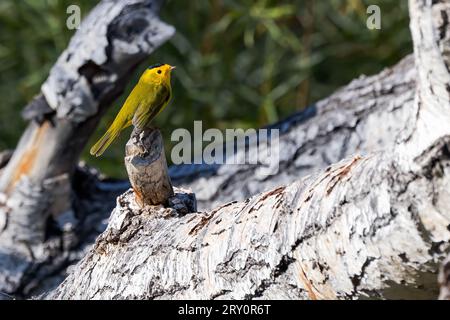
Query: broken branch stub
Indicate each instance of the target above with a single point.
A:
(146, 165)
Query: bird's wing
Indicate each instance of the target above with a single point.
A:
(146, 112)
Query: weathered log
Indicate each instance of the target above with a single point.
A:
(429, 28)
(374, 225)
(146, 164)
(36, 185)
(353, 230)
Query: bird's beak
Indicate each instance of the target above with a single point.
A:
(172, 67)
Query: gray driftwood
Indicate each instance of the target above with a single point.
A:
(39, 205)
(375, 224)
(146, 164)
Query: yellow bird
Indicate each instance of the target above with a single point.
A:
(148, 98)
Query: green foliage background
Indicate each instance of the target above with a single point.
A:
(241, 63)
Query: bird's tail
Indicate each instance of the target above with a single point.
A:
(101, 145)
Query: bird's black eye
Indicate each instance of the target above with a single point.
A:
(159, 71)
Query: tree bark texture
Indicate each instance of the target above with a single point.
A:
(146, 164)
(38, 183)
(375, 224)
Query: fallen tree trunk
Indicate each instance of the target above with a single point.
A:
(347, 232)
(375, 225)
(39, 202)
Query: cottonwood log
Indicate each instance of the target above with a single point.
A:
(356, 229)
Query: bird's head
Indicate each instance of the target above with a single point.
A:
(158, 73)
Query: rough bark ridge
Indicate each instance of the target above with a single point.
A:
(374, 225)
(36, 185)
(146, 165)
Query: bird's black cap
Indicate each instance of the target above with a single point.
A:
(155, 66)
